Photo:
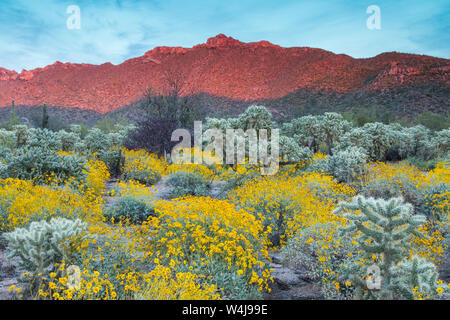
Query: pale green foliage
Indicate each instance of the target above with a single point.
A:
(376, 138)
(442, 142)
(37, 164)
(186, 183)
(416, 273)
(290, 151)
(255, 117)
(131, 208)
(413, 142)
(43, 243)
(312, 131)
(333, 126)
(347, 165)
(382, 228)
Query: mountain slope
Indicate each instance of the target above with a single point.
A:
(222, 67)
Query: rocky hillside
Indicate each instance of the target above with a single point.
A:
(223, 67)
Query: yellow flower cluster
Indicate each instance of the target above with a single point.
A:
(143, 165)
(22, 202)
(296, 202)
(163, 284)
(97, 175)
(195, 232)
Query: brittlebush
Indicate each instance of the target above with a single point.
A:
(22, 202)
(194, 233)
(287, 204)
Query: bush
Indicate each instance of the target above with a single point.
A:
(22, 202)
(187, 183)
(210, 238)
(321, 251)
(287, 204)
(131, 209)
(142, 166)
(41, 164)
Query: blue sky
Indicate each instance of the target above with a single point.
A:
(34, 33)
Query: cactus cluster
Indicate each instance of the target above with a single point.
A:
(43, 243)
(383, 230)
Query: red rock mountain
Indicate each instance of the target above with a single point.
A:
(222, 66)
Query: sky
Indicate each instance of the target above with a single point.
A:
(36, 33)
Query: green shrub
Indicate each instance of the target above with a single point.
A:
(147, 177)
(186, 183)
(38, 164)
(130, 208)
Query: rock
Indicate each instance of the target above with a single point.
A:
(286, 278)
(307, 292)
(276, 257)
(444, 268)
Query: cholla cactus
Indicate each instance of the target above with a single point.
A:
(442, 142)
(415, 275)
(43, 243)
(292, 152)
(347, 165)
(255, 117)
(376, 138)
(383, 229)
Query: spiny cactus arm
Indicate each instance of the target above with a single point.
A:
(373, 248)
(377, 235)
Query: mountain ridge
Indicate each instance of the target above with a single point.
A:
(223, 66)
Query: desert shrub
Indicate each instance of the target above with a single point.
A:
(212, 239)
(196, 160)
(164, 284)
(42, 243)
(290, 151)
(131, 209)
(347, 165)
(287, 204)
(153, 135)
(187, 183)
(424, 165)
(96, 174)
(384, 230)
(114, 160)
(142, 166)
(442, 142)
(44, 138)
(322, 252)
(7, 138)
(312, 131)
(40, 165)
(416, 187)
(22, 202)
(134, 189)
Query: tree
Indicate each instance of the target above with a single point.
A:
(153, 135)
(173, 102)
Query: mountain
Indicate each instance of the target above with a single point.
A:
(227, 68)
